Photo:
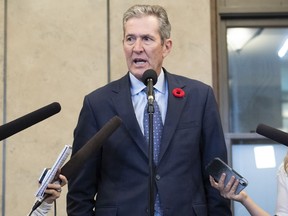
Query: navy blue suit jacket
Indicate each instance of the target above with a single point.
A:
(119, 173)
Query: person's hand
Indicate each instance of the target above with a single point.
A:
(53, 190)
(63, 180)
(228, 191)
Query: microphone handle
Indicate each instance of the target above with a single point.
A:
(150, 95)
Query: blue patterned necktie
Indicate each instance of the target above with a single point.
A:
(157, 134)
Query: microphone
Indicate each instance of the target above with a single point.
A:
(149, 78)
(28, 120)
(77, 161)
(273, 134)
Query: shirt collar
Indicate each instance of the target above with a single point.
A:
(137, 85)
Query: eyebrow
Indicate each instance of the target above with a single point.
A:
(142, 35)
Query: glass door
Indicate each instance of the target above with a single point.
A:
(257, 77)
(257, 83)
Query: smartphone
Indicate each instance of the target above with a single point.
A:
(216, 167)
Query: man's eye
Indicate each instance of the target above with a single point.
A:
(130, 40)
(147, 39)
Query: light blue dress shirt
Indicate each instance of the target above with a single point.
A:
(139, 97)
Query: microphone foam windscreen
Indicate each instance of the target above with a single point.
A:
(273, 134)
(28, 120)
(149, 74)
(77, 161)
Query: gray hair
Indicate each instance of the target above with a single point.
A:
(150, 10)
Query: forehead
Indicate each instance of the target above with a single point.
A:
(145, 25)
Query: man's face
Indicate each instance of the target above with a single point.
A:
(142, 45)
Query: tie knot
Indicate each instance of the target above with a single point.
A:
(147, 93)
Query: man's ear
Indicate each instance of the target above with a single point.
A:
(167, 47)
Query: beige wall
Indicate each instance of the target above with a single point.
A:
(1, 83)
(57, 51)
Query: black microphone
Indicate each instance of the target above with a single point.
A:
(77, 161)
(28, 120)
(73, 166)
(273, 134)
(149, 78)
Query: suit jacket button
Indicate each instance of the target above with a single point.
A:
(157, 177)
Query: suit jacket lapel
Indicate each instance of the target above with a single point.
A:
(123, 105)
(174, 110)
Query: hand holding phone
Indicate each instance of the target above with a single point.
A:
(216, 167)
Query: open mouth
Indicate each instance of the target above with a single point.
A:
(139, 61)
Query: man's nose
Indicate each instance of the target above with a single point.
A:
(138, 46)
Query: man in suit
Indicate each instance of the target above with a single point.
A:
(115, 181)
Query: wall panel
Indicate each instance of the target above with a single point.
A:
(56, 52)
(2, 33)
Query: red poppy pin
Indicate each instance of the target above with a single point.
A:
(178, 92)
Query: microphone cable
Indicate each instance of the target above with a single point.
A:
(55, 208)
(38, 203)
(35, 206)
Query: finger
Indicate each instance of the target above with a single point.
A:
(234, 186)
(213, 182)
(53, 192)
(221, 181)
(63, 179)
(52, 195)
(230, 183)
(54, 186)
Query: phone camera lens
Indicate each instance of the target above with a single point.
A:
(242, 182)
